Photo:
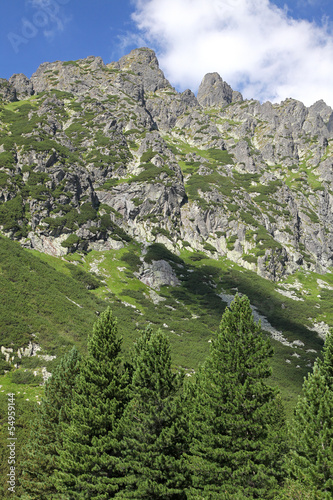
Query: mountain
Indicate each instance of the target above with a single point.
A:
(81, 140)
(175, 201)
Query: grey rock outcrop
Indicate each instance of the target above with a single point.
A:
(22, 85)
(158, 273)
(7, 91)
(213, 91)
(143, 62)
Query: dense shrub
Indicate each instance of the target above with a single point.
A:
(26, 377)
(157, 251)
(87, 279)
(132, 259)
(71, 241)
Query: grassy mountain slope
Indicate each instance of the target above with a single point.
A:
(48, 297)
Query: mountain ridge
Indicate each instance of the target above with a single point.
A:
(251, 181)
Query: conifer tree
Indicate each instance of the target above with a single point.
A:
(295, 490)
(42, 450)
(326, 364)
(155, 434)
(236, 422)
(89, 465)
(311, 431)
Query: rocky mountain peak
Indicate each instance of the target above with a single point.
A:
(144, 63)
(86, 147)
(213, 91)
(142, 55)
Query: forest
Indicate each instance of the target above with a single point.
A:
(139, 429)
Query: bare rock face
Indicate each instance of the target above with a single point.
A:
(158, 273)
(22, 85)
(108, 152)
(143, 62)
(213, 91)
(189, 98)
(7, 91)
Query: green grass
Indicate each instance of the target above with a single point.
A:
(38, 302)
(30, 392)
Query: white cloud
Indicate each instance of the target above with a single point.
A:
(255, 46)
(128, 39)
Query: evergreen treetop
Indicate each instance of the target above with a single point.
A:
(89, 462)
(236, 418)
(311, 431)
(326, 364)
(42, 450)
(154, 428)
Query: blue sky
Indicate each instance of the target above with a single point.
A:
(35, 32)
(265, 49)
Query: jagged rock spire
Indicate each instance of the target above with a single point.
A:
(213, 91)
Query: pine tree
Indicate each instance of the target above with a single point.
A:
(42, 450)
(311, 432)
(326, 364)
(295, 490)
(89, 465)
(155, 433)
(236, 421)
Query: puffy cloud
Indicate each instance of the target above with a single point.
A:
(255, 46)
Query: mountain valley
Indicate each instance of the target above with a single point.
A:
(115, 189)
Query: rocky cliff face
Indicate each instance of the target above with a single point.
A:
(94, 154)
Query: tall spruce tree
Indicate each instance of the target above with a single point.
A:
(42, 450)
(89, 466)
(311, 431)
(236, 419)
(155, 434)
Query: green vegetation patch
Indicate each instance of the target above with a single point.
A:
(220, 156)
(38, 300)
(12, 216)
(157, 251)
(148, 155)
(151, 173)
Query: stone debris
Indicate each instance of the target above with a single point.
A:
(94, 265)
(323, 284)
(47, 357)
(321, 328)
(29, 351)
(156, 298)
(45, 374)
(290, 294)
